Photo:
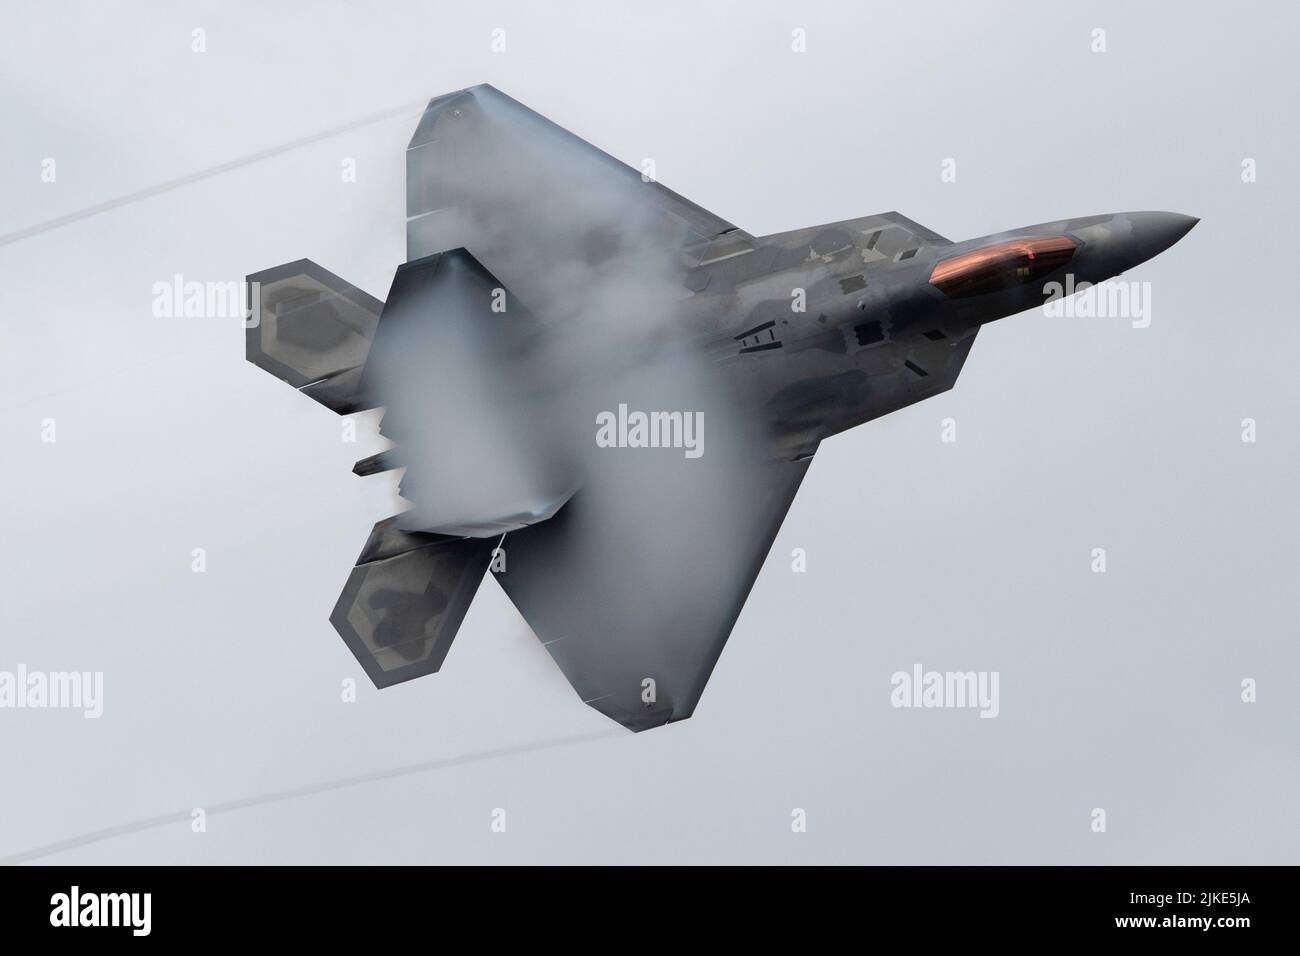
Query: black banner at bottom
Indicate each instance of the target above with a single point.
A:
(332, 905)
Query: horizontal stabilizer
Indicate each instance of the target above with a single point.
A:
(406, 598)
(312, 330)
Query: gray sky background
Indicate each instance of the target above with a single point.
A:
(1119, 691)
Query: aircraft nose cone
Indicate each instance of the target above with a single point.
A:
(1154, 232)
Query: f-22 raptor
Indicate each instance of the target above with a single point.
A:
(548, 289)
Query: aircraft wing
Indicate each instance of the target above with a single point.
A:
(635, 586)
(534, 203)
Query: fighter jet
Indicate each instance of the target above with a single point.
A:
(607, 396)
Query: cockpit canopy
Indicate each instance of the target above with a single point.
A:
(1001, 266)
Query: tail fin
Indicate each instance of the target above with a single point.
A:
(312, 330)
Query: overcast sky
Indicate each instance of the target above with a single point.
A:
(1119, 691)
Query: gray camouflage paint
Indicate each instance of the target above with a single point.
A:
(634, 581)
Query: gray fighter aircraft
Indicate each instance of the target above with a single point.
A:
(550, 291)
